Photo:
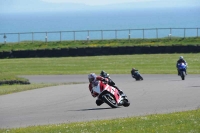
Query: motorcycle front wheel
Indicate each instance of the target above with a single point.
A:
(141, 77)
(182, 75)
(126, 103)
(110, 101)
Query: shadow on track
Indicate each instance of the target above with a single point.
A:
(91, 109)
(195, 86)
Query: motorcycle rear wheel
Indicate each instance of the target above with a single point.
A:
(107, 99)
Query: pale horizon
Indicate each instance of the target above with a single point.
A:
(98, 2)
(27, 6)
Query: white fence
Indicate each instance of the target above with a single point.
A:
(99, 34)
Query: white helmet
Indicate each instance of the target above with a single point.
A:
(181, 57)
(92, 77)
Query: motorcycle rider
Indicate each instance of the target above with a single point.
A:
(93, 81)
(133, 72)
(104, 74)
(181, 60)
(110, 82)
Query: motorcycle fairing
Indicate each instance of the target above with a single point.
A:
(182, 66)
(97, 88)
(109, 89)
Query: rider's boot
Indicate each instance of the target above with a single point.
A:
(99, 102)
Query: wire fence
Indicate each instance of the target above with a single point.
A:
(99, 35)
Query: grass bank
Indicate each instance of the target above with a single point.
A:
(8, 89)
(183, 122)
(28, 45)
(188, 121)
(118, 64)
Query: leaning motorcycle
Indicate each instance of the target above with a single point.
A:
(182, 70)
(137, 76)
(110, 95)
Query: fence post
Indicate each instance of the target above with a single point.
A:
(102, 35)
(184, 33)
(170, 33)
(46, 37)
(116, 34)
(157, 33)
(4, 38)
(18, 37)
(74, 36)
(170, 30)
(60, 36)
(88, 36)
(32, 37)
(143, 33)
(129, 35)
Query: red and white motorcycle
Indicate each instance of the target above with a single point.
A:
(110, 95)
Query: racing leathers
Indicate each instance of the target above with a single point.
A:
(94, 83)
(133, 72)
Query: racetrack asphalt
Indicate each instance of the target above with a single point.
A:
(73, 103)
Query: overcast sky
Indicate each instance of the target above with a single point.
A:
(13, 6)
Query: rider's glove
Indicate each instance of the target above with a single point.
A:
(105, 80)
(94, 94)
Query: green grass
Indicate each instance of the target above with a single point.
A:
(119, 64)
(26, 45)
(178, 122)
(184, 122)
(8, 76)
(8, 89)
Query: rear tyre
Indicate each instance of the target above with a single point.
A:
(110, 101)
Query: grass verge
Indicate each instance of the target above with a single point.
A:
(12, 79)
(118, 64)
(8, 89)
(188, 121)
(29, 45)
(183, 122)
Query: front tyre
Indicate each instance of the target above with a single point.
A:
(183, 75)
(141, 77)
(126, 103)
(110, 101)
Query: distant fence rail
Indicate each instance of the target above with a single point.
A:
(99, 34)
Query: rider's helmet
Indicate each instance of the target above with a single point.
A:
(133, 69)
(104, 74)
(92, 77)
(181, 57)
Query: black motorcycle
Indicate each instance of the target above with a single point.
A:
(137, 76)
